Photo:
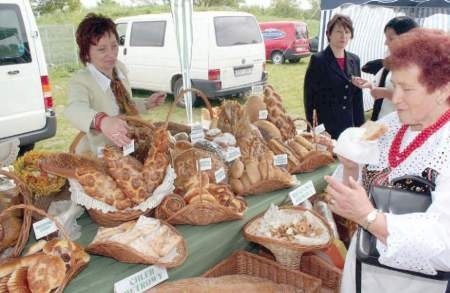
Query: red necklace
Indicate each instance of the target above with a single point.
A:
(396, 157)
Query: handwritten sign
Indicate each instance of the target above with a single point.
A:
(197, 132)
(232, 154)
(141, 281)
(205, 164)
(302, 193)
(128, 148)
(43, 228)
(220, 175)
(263, 114)
(280, 160)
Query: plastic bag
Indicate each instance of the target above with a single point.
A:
(67, 212)
(352, 146)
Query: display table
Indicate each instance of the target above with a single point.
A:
(207, 245)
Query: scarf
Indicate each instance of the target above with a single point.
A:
(123, 99)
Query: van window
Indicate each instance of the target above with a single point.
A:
(14, 48)
(122, 31)
(148, 34)
(301, 32)
(236, 30)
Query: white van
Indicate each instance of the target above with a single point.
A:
(227, 53)
(26, 102)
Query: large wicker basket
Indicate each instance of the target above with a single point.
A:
(199, 213)
(315, 266)
(243, 262)
(127, 254)
(287, 253)
(24, 196)
(71, 273)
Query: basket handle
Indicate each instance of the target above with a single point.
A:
(31, 208)
(181, 95)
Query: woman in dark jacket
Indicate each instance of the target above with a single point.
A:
(328, 88)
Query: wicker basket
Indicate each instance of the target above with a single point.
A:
(24, 195)
(287, 253)
(112, 219)
(74, 270)
(198, 213)
(315, 266)
(124, 253)
(242, 262)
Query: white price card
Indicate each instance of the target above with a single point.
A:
(302, 193)
(280, 160)
(220, 175)
(232, 154)
(44, 227)
(197, 132)
(205, 164)
(142, 281)
(319, 129)
(128, 148)
(100, 151)
(257, 90)
(263, 114)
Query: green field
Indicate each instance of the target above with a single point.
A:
(287, 80)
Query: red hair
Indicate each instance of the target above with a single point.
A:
(92, 28)
(429, 50)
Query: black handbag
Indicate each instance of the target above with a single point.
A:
(407, 194)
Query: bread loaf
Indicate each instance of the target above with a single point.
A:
(253, 105)
(268, 129)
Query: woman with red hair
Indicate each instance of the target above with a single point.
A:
(417, 143)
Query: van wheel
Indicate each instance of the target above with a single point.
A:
(177, 89)
(277, 58)
(25, 148)
(294, 60)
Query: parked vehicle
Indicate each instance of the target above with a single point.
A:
(285, 40)
(26, 112)
(314, 44)
(227, 53)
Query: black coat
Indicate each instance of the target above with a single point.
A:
(329, 90)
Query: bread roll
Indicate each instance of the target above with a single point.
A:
(268, 129)
(237, 168)
(236, 186)
(253, 172)
(304, 142)
(300, 151)
(374, 130)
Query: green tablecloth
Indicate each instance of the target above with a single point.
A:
(207, 245)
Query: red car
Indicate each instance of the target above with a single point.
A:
(285, 40)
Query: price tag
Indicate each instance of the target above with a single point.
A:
(197, 132)
(100, 151)
(302, 193)
(129, 148)
(257, 90)
(220, 175)
(44, 227)
(319, 129)
(141, 281)
(280, 160)
(232, 154)
(205, 164)
(263, 114)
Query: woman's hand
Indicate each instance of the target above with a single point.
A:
(361, 83)
(350, 202)
(155, 100)
(115, 129)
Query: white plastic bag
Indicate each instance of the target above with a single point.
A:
(67, 212)
(352, 146)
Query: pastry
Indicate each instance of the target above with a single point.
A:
(373, 130)
(46, 275)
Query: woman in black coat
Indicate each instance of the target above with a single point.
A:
(328, 88)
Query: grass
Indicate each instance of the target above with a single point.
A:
(287, 79)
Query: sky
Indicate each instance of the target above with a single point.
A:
(304, 4)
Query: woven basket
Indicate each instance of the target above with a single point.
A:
(124, 253)
(287, 253)
(112, 219)
(74, 270)
(243, 262)
(198, 213)
(24, 195)
(315, 266)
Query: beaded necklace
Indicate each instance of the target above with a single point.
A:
(396, 157)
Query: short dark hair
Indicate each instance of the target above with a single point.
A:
(401, 24)
(90, 30)
(341, 19)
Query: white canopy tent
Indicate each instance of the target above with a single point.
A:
(369, 19)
